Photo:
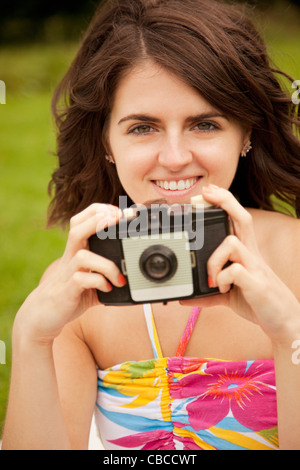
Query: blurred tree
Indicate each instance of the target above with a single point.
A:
(38, 9)
(33, 20)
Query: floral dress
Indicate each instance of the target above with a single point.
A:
(173, 403)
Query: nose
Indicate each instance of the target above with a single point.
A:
(174, 153)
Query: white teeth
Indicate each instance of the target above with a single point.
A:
(173, 186)
(181, 185)
(177, 185)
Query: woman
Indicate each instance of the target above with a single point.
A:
(173, 102)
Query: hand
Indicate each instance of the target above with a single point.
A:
(68, 289)
(258, 294)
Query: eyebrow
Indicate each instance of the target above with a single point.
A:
(149, 118)
(139, 117)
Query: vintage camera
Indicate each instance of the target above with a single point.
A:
(162, 250)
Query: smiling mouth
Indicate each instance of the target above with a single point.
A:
(180, 185)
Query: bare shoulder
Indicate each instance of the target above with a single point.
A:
(275, 226)
(278, 237)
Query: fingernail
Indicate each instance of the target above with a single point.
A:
(210, 282)
(109, 287)
(110, 212)
(211, 188)
(122, 280)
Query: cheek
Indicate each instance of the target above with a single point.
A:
(131, 172)
(134, 162)
(219, 155)
(220, 161)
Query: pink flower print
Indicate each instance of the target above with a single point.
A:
(158, 440)
(151, 440)
(248, 392)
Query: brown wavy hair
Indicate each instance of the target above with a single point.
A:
(214, 48)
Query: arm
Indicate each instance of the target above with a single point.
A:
(51, 364)
(287, 376)
(66, 384)
(33, 391)
(260, 296)
(287, 366)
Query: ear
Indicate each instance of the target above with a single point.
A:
(105, 137)
(247, 135)
(246, 141)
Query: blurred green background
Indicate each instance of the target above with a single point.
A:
(36, 47)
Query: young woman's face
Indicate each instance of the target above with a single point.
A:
(167, 141)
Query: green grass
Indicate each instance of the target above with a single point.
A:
(26, 140)
(26, 248)
(25, 168)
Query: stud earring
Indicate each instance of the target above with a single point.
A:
(246, 149)
(110, 159)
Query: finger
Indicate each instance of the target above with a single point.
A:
(80, 233)
(85, 260)
(233, 250)
(83, 281)
(93, 209)
(235, 274)
(241, 218)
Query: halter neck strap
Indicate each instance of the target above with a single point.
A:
(154, 336)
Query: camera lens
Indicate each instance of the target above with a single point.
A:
(158, 263)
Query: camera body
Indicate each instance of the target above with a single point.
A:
(162, 250)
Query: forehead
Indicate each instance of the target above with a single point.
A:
(151, 87)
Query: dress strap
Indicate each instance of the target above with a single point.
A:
(154, 336)
(188, 331)
(152, 331)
